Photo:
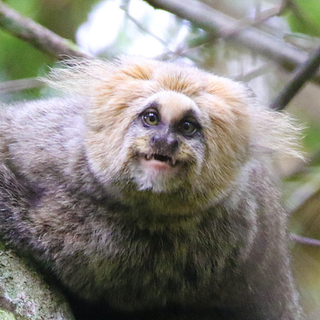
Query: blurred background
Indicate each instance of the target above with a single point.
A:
(112, 27)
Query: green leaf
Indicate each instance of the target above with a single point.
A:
(305, 17)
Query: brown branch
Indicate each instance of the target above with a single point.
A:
(217, 23)
(304, 73)
(37, 35)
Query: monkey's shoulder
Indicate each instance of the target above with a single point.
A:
(43, 138)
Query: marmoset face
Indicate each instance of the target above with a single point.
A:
(167, 142)
(166, 128)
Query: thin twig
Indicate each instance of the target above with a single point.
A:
(304, 240)
(37, 35)
(253, 73)
(21, 84)
(258, 20)
(304, 73)
(141, 26)
(225, 33)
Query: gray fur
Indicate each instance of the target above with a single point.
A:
(227, 259)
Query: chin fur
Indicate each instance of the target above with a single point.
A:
(155, 181)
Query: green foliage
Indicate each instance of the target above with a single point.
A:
(304, 17)
(5, 315)
(311, 138)
(63, 17)
(19, 59)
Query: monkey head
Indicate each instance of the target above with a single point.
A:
(159, 130)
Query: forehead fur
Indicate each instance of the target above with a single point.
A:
(132, 79)
(173, 106)
(114, 85)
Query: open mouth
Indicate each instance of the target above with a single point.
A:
(162, 158)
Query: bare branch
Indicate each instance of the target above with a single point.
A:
(217, 23)
(304, 240)
(37, 35)
(21, 84)
(241, 25)
(258, 20)
(304, 73)
(256, 72)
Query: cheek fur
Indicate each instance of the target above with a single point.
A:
(227, 150)
(227, 133)
(105, 153)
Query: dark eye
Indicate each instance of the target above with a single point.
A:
(188, 128)
(151, 118)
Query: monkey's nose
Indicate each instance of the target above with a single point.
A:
(165, 144)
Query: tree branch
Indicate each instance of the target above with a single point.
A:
(37, 35)
(305, 240)
(20, 84)
(219, 24)
(304, 73)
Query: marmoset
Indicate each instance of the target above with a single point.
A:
(150, 187)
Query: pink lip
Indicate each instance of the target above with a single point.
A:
(157, 165)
